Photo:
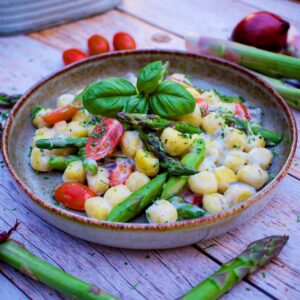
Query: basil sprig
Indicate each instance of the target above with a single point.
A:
(165, 98)
(151, 76)
(108, 97)
(171, 99)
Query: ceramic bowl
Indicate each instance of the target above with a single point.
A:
(205, 72)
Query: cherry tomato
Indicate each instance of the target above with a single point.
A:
(104, 138)
(121, 172)
(241, 110)
(62, 113)
(190, 197)
(72, 55)
(202, 103)
(73, 194)
(97, 44)
(123, 41)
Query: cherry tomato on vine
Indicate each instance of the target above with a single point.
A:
(72, 55)
(62, 113)
(104, 138)
(123, 41)
(97, 44)
(73, 195)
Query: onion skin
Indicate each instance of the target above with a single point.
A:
(263, 30)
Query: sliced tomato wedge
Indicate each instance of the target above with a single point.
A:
(73, 195)
(241, 110)
(62, 113)
(203, 104)
(121, 172)
(104, 138)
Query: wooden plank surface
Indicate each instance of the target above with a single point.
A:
(144, 274)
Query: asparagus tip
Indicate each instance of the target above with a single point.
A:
(5, 235)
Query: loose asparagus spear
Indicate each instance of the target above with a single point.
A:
(289, 93)
(60, 162)
(8, 100)
(89, 165)
(257, 255)
(186, 211)
(58, 143)
(172, 165)
(17, 256)
(138, 201)
(192, 160)
(155, 122)
(268, 135)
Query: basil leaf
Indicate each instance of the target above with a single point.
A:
(171, 100)
(137, 104)
(151, 75)
(107, 97)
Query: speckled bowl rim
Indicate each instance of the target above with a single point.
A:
(140, 226)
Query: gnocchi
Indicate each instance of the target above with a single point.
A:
(212, 123)
(215, 203)
(98, 183)
(130, 142)
(146, 162)
(97, 208)
(174, 142)
(253, 175)
(74, 172)
(161, 211)
(116, 194)
(202, 183)
(136, 180)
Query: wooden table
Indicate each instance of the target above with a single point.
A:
(132, 274)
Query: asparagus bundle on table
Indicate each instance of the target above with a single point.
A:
(59, 143)
(257, 255)
(172, 165)
(155, 122)
(16, 255)
(268, 63)
(289, 93)
(192, 160)
(138, 201)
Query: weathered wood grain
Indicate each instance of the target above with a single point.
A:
(9, 290)
(281, 278)
(76, 34)
(144, 274)
(24, 61)
(130, 274)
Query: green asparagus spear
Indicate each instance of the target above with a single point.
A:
(193, 160)
(269, 135)
(58, 143)
(89, 165)
(60, 162)
(9, 100)
(186, 211)
(172, 165)
(257, 255)
(155, 122)
(290, 94)
(138, 201)
(17, 256)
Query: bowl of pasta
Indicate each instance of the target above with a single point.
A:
(149, 149)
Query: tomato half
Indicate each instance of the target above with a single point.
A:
(192, 198)
(71, 55)
(123, 41)
(202, 103)
(62, 113)
(104, 138)
(73, 195)
(97, 44)
(241, 110)
(121, 172)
